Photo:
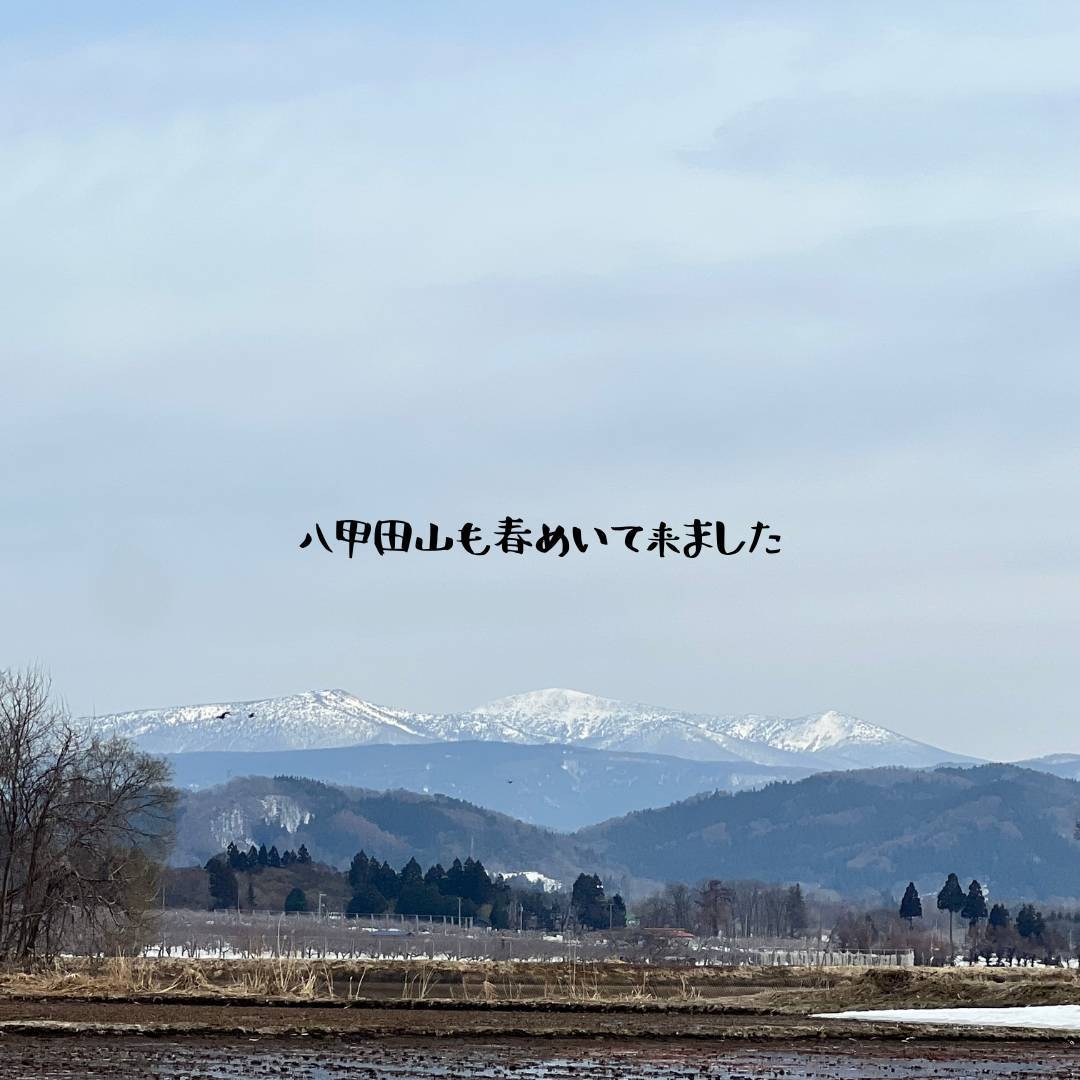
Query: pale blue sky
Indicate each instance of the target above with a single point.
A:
(589, 264)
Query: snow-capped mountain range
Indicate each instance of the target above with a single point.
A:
(332, 718)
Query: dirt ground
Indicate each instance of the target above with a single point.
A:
(257, 1058)
(393, 1021)
(476, 1023)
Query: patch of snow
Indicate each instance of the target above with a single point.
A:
(534, 877)
(231, 826)
(285, 811)
(1057, 1017)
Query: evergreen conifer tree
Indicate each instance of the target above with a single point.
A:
(296, 901)
(618, 911)
(453, 884)
(302, 855)
(273, 858)
(951, 899)
(973, 910)
(1030, 922)
(367, 900)
(974, 907)
(587, 902)
(796, 910)
(385, 879)
(360, 870)
(222, 883)
(500, 904)
(911, 905)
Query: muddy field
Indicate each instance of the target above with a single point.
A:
(131, 1019)
(217, 1059)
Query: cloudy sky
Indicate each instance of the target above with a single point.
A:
(589, 264)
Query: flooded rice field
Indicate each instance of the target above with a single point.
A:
(23, 1058)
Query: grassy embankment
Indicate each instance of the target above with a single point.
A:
(776, 991)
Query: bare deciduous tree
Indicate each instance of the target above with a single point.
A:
(714, 908)
(85, 823)
(714, 901)
(678, 896)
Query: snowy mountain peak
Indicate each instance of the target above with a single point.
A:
(813, 733)
(313, 719)
(552, 700)
(328, 718)
(554, 714)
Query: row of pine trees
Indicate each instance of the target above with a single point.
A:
(464, 890)
(971, 906)
(259, 858)
(467, 890)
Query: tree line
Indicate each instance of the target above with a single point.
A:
(258, 858)
(464, 890)
(754, 909)
(1008, 937)
(715, 908)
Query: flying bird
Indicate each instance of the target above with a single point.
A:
(221, 716)
(250, 715)
(509, 781)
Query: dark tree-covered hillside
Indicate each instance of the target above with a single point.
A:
(331, 824)
(865, 831)
(859, 833)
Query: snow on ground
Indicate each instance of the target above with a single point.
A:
(227, 952)
(1060, 1017)
(534, 877)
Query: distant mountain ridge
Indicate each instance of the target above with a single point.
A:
(335, 822)
(555, 786)
(1066, 766)
(318, 718)
(332, 718)
(862, 832)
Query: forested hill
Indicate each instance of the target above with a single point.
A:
(336, 822)
(861, 832)
(875, 829)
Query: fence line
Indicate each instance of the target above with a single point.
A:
(229, 934)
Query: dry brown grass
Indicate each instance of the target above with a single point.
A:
(774, 990)
(418, 981)
(847, 988)
(114, 975)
